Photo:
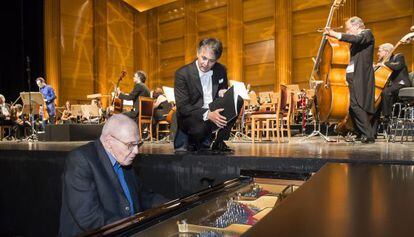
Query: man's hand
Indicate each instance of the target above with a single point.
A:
(217, 118)
(221, 92)
(332, 33)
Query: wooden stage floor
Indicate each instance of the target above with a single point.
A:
(315, 148)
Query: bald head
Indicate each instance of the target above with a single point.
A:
(119, 125)
(120, 138)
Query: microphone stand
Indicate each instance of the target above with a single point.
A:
(33, 137)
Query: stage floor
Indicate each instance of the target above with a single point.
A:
(315, 148)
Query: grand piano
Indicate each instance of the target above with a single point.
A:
(339, 200)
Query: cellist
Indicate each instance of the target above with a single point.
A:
(140, 89)
(359, 74)
(399, 79)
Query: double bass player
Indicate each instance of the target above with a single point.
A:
(359, 75)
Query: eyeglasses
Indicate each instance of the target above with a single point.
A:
(130, 145)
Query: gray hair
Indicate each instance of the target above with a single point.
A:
(356, 21)
(213, 44)
(2, 98)
(118, 123)
(387, 47)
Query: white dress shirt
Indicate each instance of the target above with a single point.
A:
(207, 85)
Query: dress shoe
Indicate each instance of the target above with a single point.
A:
(367, 140)
(221, 147)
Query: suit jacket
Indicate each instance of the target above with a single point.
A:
(92, 195)
(363, 80)
(399, 75)
(189, 92)
(140, 89)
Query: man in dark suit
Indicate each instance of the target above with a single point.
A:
(360, 75)
(197, 85)
(398, 79)
(99, 183)
(140, 89)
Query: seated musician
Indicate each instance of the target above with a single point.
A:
(398, 79)
(197, 85)
(21, 122)
(49, 97)
(67, 116)
(5, 113)
(140, 89)
(359, 75)
(161, 107)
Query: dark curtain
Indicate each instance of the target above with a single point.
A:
(22, 35)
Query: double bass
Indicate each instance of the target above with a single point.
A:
(383, 73)
(117, 103)
(332, 93)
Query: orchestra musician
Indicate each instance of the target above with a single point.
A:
(399, 79)
(197, 85)
(140, 89)
(359, 74)
(5, 113)
(49, 97)
(67, 116)
(161, 107)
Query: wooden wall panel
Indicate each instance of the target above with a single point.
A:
(173, 29)
(171, 42)
(212, 19)
(257, 31)
(298, 5)
(259, 44)
(375, 11)
(76, 50)
(259, 74)
(258, 9)
(308, 16)
(310, 20)
(172, 48)
(120, 43)
(389, 21)
(258, 53)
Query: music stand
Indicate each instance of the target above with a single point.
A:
(317, 126)
(31, 105)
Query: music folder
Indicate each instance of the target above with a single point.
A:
(227, 102)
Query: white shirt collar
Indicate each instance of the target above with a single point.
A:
(201, 73)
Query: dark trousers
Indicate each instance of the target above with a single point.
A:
(358, 115)
(199, 130)
(388, 97)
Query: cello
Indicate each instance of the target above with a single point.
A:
(383, 73)
(332, 93)
(117, 103)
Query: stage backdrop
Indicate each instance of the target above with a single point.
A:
(266, 42)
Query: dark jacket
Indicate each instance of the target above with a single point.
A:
(189, 92)
(140, 89)
(92, 195)
(399, 75)
(363, 80)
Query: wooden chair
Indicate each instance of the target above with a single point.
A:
(145, 114)
(285, 111)
(3, 129)
(263, 122)
(166, 130)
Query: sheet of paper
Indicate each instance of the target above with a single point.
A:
(169, 93)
